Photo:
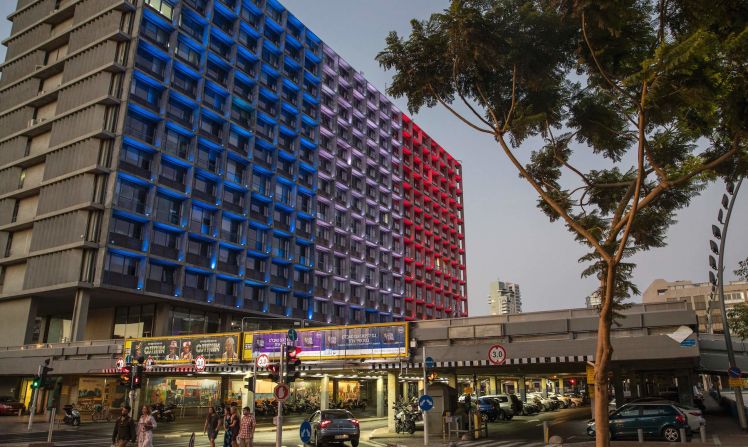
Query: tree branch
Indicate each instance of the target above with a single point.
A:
(458, 115)
(552, 203)
(508, 116)
(661, 174)
(639, 178)
(594, 57)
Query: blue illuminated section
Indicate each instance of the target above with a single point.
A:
(240, 78)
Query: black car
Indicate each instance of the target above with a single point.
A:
(657, 420)
(10, 406)
(334, 427)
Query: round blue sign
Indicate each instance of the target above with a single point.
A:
(734, 372)
(305, 432)
(426, 402)
(292, 334)
(429, 362)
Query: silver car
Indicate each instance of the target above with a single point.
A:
(505, 403)
(334, 427)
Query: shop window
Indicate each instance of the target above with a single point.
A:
(133, 321)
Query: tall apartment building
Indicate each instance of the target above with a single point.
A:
(504, 298)
(697, 296)
(163, 170)
(435, 275)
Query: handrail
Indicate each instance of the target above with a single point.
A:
(74, 344)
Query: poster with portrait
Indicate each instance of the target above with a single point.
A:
(216, 348)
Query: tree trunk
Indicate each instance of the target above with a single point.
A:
(603, 353)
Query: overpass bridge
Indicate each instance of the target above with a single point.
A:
(549, 350)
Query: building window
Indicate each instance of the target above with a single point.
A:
(168, 209)
(141, 128)
(131, 196)
(133, 321)
(164, 7)
(183, 321)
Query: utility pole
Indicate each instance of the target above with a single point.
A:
(425, 393)
(282, 372)
(722, 236)
(34, 395)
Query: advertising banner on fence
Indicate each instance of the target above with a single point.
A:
(338, 342)
(216, 348)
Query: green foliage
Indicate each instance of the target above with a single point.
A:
(742, 270)
(737, 318)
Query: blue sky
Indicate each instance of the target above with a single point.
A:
(507, 236)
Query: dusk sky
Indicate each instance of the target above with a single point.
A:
(507, 236)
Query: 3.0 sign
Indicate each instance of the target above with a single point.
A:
(497, 355)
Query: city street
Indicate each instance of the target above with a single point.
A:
(522, 430)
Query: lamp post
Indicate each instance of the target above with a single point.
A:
(728, 200)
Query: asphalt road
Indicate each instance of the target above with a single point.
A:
(522, 430)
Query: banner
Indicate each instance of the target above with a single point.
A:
(216, 348)
(338, 342)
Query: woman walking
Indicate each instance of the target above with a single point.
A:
(230, 426)
(211, 426)
(146, 424)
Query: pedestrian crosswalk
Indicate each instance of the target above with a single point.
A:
(498, 443)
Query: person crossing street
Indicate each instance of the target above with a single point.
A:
(124, 429)
(247, 428)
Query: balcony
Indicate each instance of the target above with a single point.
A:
(122, 240)
(195, 294)
(254, 274)
(199, 260)
(279, 280)
(120, 280)
(224, 300)
(163, 251)
(166, 181)
(159, 287)
(228, 268)
(301, 285)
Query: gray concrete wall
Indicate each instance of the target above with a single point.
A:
(18, 317)
(99, 324)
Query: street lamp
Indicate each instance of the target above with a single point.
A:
(718, 283)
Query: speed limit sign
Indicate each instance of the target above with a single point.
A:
(120, 363)
(200, 363)
(262, 361)
(497, 354)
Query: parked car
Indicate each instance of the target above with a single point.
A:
(522, 408)
(334, 426)
(10, 406)
(658, 420)
(557, 402)
(694, 415)
(489, 408)
(505, 405)
(576, 400)
(565, 400)
(544, 403)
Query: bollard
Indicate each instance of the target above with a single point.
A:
(702, 432)
(556, 441)
(640, 434)
(683, 435)
(546, 432)
(51, 425)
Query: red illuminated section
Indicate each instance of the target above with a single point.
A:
(434, 228)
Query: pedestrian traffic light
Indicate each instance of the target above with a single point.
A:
(137, 376)
(274, 374)
(432, 377)
(250, 381)
(292, 363)
(36, 383)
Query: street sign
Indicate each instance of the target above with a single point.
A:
(120, 363)
(426, 402)
(281, 392)
(199, 363)
(734, 372)
(292, 334)
(149, 363)
(497, 355)
(305, 432)
(262, 361)
(687, 343)
(429, 362)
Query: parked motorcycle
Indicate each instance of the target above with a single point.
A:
(163, 413)
(405, 417)
(72, 416)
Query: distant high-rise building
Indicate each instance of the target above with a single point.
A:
(504, 298)
(593, 300)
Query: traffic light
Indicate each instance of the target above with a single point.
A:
(432, 377)
(36, 383)
(125, 376)
(292, 362)
(45, 381)
(137, 376)
(250, 381)
(274, 374)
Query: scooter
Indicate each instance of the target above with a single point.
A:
(167, 413)
(72, 416)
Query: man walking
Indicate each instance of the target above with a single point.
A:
(246, 428)
(124, 429)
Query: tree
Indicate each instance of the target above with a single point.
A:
(737, 318)
(742, 270)
(653, 91)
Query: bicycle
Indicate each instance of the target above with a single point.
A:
(101, 414)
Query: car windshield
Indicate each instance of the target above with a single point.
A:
(333, 415)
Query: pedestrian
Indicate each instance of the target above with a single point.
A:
(146, 424)
(234, 426)
(228, 428)
(211, 426)
(246, 428)
(124, 428)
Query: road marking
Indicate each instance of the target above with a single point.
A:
(533, 420)
(716, 440)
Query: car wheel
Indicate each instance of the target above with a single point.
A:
(670, 434)
(76, 422)
(509, 418)
(501, 416)
(316, 440)
(354, 443)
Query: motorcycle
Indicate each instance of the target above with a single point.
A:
(72, 416)
(405, 417)
(168, 413)
(163, 413)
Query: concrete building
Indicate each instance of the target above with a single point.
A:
(504, 298)
(697, 296)
(593, 300)
(172, 167)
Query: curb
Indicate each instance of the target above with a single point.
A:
(257, 430)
